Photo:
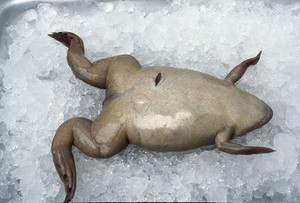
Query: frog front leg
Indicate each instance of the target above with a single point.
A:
(237, 72)
(100, 139)
(222, 143)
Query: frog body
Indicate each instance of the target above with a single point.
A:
(158, 108)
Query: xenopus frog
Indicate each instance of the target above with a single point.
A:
(158, 108)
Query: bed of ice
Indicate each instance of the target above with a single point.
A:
(39, 92)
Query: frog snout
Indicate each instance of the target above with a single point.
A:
(267, 115)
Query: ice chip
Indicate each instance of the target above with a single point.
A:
(46, 10)
(30, 15)
(1, 73)
(107, 7)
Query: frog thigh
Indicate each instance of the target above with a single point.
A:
(108, 132)
(237, 72)
(223, 144)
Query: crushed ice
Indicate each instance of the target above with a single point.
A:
(38, 92)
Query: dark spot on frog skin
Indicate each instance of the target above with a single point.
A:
(157, 79)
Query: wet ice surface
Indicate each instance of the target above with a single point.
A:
(40, 93)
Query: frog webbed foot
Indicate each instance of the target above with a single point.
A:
(65, 167)
(70, 40)
(232, 148)
(237, 72)
(223, 144)
(62, 37)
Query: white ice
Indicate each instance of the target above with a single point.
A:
(39, 92)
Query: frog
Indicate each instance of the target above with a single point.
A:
(157, 108)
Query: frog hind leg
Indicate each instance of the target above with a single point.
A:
(78, 132)
(237, 72)
(223, 144)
